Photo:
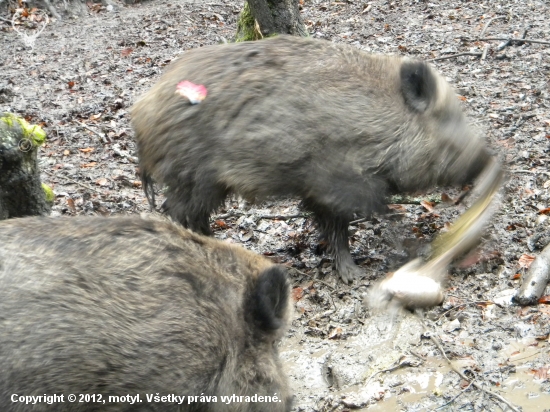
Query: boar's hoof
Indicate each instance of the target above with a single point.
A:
(349, 271)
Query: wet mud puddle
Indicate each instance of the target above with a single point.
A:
(398, 370)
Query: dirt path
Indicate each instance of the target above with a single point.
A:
(82, 75)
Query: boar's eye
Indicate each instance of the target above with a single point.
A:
(418, 85)
(269, 299)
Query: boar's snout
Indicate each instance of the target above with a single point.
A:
(462, 165)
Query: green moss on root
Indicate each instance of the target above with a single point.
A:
(32, 132)
(246, 26)
(48, 192)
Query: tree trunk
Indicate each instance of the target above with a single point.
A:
(21, 192)
(264, 18)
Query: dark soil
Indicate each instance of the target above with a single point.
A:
(79, 77)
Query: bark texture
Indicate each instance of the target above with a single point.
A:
(264, 18)
(21, 192)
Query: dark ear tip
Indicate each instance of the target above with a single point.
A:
(414, 70)
(413, 66)
(418, 84)
(270, 298)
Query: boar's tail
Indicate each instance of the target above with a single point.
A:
(148, 188)
(269, 301)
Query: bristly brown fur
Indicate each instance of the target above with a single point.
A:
(136, 306)
(323, 122)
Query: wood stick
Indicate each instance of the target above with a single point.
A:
(456, 55)
(514, 39)
(489, 22)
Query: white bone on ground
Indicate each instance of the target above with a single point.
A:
(410, 287)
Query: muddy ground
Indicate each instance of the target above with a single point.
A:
(80, 76)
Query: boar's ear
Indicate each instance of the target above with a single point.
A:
(269, 300)
(418, 85)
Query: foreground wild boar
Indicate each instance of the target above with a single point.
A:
(326, 123)
(116, 307)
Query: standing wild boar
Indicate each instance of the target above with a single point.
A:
(288, 116)
(117, 307)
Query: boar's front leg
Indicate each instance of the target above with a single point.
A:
(191, 202)
(334, 230)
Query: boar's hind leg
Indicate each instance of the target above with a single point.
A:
(191, 205)
(334, 230)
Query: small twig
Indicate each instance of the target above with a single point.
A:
(417, 355)
(6, 20)
(103, 139)
(73, 181)
(526, 357)
(386, 215)
(282, 217)
(478, 302)
(354, 222)
(542, 172)
(367, 9)
(400, 363)
(381, 371)
(488, 23)
(503, 45)
(231, 213)
(315, 280)
(454, 399)
(459, 372)
(332, 300)
(521, 120)
(524, 35)
(484, 54)
(452, 56)
(515, 39)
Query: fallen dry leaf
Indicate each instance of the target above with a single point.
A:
(70, 203)
(541, 373)
(445, 198)
(297, 293)
(397, 208)
(525, 260)
(220, 223)
(430, 206)
(464, 384)
(335, 333)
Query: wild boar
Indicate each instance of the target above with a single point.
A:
(128, 306)
(329, 124)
